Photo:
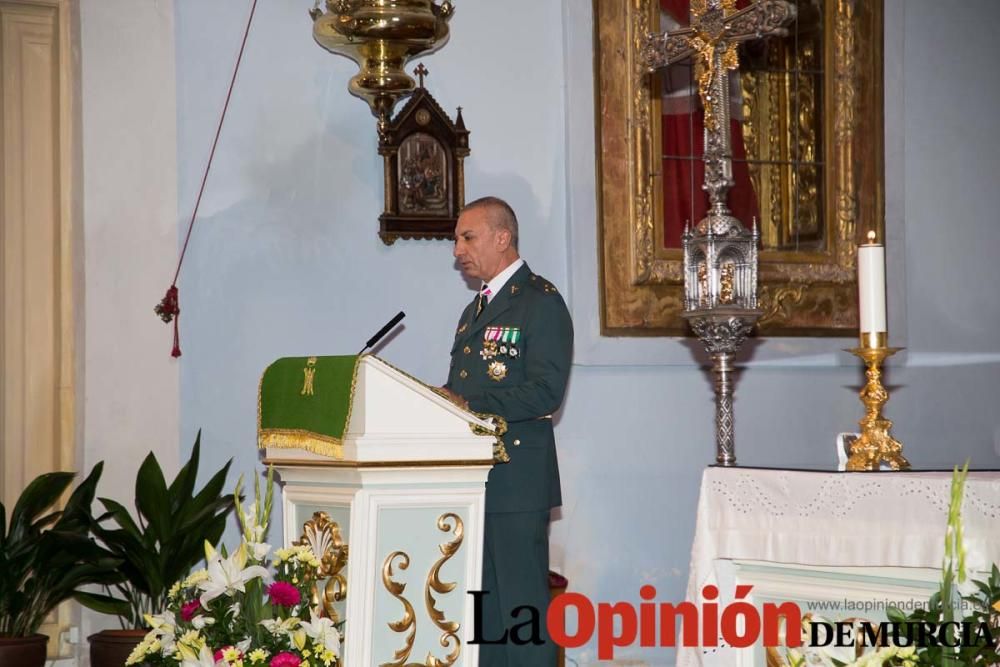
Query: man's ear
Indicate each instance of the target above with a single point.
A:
(503, 239)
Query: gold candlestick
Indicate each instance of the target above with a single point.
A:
(875, 445)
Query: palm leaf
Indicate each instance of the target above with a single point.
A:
(151, 498)
(46, 558)
(103, 604)
(165, 538)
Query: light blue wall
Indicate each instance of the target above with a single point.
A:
(285, 261)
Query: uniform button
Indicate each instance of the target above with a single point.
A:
(467, 349)
(517, 442)
(464, 374)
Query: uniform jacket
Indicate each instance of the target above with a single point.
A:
(522, 379)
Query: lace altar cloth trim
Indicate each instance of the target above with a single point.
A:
(836, 519)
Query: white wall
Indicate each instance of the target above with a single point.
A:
(285, 259)
(131, 395)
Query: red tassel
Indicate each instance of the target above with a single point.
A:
(169, 310)
(176, 352)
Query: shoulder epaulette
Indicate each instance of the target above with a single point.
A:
(542, 285)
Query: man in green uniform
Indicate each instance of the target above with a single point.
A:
(512, 354)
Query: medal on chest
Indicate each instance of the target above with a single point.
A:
(500, 344)
(497, 370)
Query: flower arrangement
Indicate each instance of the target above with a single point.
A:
(237, 613)
(846, 656)
(978, 601)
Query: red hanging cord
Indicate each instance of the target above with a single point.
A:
(169, 309)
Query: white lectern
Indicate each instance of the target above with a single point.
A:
(405, 491)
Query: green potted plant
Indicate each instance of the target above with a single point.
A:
(47, 557)
(160, 546)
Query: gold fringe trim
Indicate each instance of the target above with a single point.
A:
(324, 445)
(329, 446)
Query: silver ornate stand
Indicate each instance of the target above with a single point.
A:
(720, 254)
(722, 331)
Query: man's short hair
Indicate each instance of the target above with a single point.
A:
(501, 215)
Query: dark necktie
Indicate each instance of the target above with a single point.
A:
(484, 294)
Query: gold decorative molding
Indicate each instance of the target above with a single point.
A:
(323, 463)
(804, 292)
(449, 636)
(500, 429)
(322, 535)
(447, 522)
(409, 620)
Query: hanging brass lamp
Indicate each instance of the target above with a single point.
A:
(382, 36)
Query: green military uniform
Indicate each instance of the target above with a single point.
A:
(513, 360)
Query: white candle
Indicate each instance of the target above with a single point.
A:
(871, 285)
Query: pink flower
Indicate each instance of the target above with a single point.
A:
(285, 659)
(284, 594)
(190, 609)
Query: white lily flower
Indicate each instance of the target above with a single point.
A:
(161, 623)
(322, 631)
(199, 622)
(228, 575)
(816, 659)
(204, 658)
(843, 654)
(163, 630)
(280, 626)
(259, 550)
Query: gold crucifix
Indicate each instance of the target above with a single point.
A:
(716, 29)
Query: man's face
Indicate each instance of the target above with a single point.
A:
(479, 248)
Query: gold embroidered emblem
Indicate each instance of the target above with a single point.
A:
(514, 289)
(310, 373)
(462, 328)
(497, 370)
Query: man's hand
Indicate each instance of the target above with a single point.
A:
(454, 398)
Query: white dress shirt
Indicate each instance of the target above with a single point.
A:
(501, 279)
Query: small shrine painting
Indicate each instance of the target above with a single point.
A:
(423, 173)
(424, 152)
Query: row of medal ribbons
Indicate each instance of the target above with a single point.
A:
(501, 341)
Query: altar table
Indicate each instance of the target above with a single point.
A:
(879, 533)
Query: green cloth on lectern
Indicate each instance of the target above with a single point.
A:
(305, 403)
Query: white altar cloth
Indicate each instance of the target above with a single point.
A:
(877, 519)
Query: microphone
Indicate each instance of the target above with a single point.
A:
(383, 331)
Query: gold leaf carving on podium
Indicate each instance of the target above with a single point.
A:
(447, 522)
(434, 583)
(322, 535)
(409, 620)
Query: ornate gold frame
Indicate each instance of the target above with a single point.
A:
(801, 293)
